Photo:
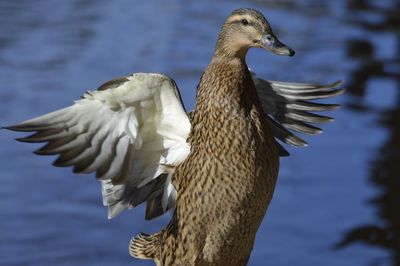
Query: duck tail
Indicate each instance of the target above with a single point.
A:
(145, 246)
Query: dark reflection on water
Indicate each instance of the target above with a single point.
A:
(52, 51)
(385, 167)
(364, 52)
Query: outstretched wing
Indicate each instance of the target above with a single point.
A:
(131, 132)
(289, 108)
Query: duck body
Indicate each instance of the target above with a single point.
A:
(227, 182)
(216, 167)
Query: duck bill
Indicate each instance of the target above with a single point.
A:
(272, 44)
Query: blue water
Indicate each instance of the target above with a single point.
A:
(336, 202)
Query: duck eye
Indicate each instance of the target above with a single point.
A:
(269, 38)
(245, 22)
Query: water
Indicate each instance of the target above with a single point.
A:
(336, 202)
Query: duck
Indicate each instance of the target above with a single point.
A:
(214, 168)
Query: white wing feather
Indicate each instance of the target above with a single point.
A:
(125, 132)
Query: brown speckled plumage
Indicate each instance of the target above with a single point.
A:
(226, 184)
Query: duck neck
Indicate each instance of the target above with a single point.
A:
(223, 79)
(225, 89)
(230, 47)
(226, 98)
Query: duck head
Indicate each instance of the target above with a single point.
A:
(246, 28)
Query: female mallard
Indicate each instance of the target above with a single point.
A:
(217, 167)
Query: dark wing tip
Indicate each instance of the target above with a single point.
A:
(61, 162)
(43, 152)
(154, 208)
(57, 163)
(332, 106)
(282, 151)
(25, 139)
(335, 84)
(338, 92)
(113, 83)
(15, 128)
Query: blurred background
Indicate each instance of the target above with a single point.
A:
(336, 202)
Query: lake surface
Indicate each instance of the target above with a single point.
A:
(336, 202)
